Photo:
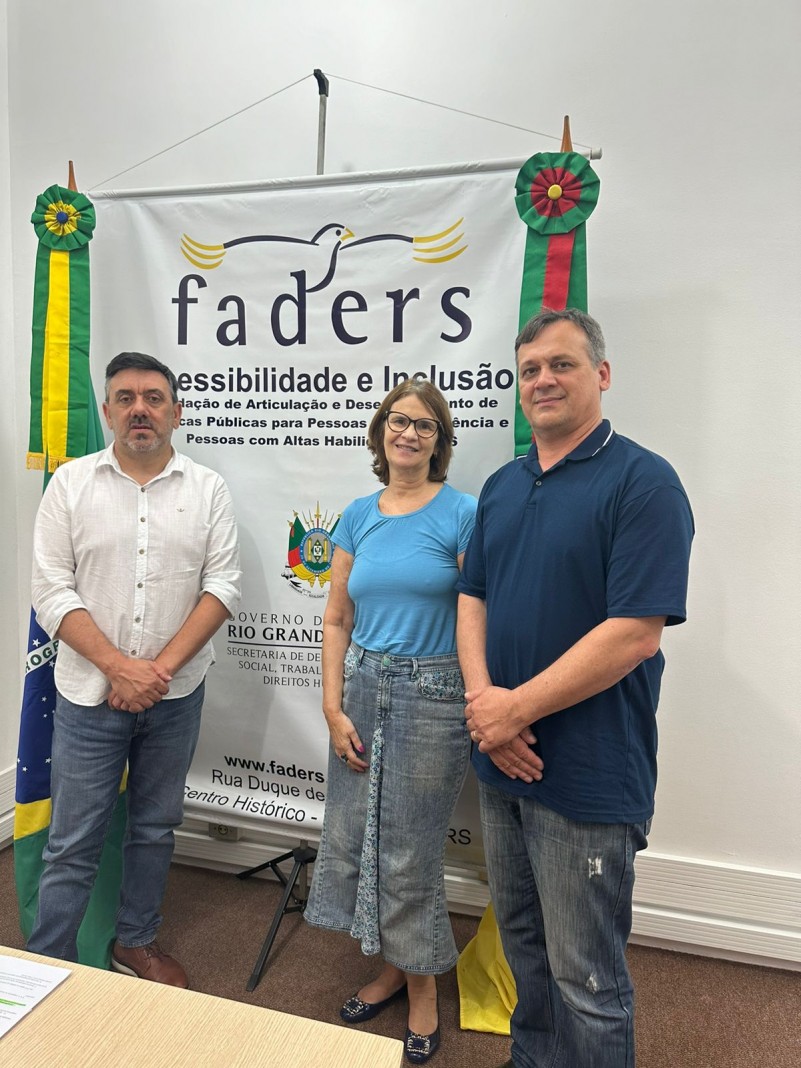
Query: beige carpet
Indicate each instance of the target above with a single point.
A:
(692, 1012)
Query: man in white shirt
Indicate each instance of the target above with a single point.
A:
(135, 566)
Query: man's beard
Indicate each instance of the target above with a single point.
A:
(148, 444)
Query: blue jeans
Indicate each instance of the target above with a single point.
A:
(91, 746)
(562, 896)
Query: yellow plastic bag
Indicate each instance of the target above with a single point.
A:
(487, 992)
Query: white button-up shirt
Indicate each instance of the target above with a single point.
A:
(137, 558)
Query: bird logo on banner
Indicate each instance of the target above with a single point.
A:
(331, 239)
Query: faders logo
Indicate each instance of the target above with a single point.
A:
(311, 264)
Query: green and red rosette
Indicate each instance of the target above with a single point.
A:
(555, 195)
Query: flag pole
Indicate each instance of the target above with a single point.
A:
(567, 141)
(71, 184)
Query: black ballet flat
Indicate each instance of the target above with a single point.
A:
(418, 1048)
(357, 1011)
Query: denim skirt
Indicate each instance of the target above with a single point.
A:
(379, 868)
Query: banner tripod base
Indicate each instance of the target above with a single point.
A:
(302, 856)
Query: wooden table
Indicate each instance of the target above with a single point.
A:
(99, 1018)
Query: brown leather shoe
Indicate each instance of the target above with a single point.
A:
(148, 962)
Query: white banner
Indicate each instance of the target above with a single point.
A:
(287, 312)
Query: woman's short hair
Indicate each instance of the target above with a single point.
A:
(428, 394)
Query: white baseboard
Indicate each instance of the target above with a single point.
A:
(706, 908)
(8, 780)
(718, 910)
(739, 913)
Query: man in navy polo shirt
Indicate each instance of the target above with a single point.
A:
(578, 560)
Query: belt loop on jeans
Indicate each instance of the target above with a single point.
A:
(415, 667)
(360, 653)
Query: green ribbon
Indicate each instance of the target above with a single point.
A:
(64, 421)
(555, 194)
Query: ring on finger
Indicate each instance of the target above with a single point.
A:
(343, 757)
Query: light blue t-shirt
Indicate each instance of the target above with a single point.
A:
(403, 580)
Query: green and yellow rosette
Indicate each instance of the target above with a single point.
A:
(64, 419)
(555, 195)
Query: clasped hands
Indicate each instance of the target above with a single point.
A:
(137, 685)
(493, 726)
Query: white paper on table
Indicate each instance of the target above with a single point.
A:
(23, 984)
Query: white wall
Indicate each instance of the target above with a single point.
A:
(10, 469)
(695, 274)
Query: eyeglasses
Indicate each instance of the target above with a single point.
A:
(424, 428)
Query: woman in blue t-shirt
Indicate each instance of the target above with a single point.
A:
(393, 699)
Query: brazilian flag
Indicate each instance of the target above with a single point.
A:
(64, 425)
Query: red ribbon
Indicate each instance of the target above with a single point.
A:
(557, 270)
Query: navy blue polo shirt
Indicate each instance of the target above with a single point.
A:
(604, 533)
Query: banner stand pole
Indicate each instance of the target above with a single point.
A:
(302, 856)
(322, 86)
